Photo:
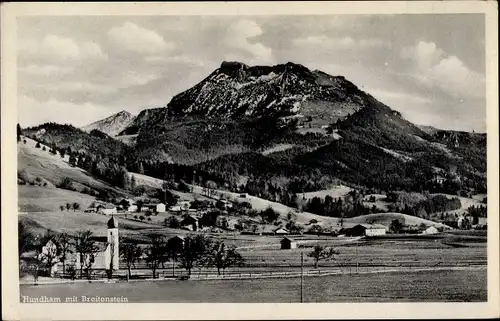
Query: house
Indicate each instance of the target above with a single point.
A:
(430, 230)
(155, 207)
(288, 244)
(106, 209)
(376, 229)
(366, 230)
(281, 231)
(439, 179)
(190, 222)
(177, 242)
(184, 205)
(48, 254)
(175, 208)
(224, 204)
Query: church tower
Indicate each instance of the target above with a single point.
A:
(112, 249)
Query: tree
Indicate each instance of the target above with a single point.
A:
(19, 132)
(66, 183)
(269, 215)
(76, 206)
(140, 204)
(222, 257)
(130, 253)
(172, 222)
(87, 249)
(173, 251)
(25, 237)
(155, 252)
(72, 160)
(62, 207)
(194, 252)
(395, 226)
(321, 253)
(37, 145)
(44, 149)
(68, 206)
(133, 182)
(62, 153)
(65, 244)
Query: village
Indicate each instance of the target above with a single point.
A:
(217, 220)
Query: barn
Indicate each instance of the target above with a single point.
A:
(155, 207)
(367, 230)
(190, 222)
(281, 231)
(176, 242)
(106, 209)
(288, 244)
(430, 230)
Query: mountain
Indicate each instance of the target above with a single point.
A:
(320, 129)
(111, 125)
(237, 91)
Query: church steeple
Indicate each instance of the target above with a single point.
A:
(112, 223)
(112, 250)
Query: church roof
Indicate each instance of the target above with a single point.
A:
(112, 223)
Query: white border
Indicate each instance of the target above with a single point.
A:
(10, 288)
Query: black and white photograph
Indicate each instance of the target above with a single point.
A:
(252, 158)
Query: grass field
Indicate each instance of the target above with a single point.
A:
(424, 286)
(34, 162)
(43, 199)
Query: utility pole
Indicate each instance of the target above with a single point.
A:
(301, 277)
(357, 260)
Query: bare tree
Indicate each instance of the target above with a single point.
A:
(321, 253)
(194, 252)
(87, 249)
(65, 244)
(130, 252)
(155, 252)
(223, 257)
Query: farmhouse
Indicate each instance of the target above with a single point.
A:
(155, 207)
(184, 205)
(47, 253)
(176, 242)
(281, 231)
(106, 209)
(430, 230)
(288, 244)
(190, 222)
(367, 230)
(224, 204)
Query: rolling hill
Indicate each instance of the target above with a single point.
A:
(34, 162)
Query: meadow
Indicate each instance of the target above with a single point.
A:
(424, 286)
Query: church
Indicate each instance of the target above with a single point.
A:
(109, 256)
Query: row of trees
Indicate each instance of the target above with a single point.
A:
(45, 257)
(194, 251)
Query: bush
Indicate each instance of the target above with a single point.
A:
(66, 183)
(172, 222)
(269, 215)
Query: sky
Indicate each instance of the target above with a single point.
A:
(78, 69)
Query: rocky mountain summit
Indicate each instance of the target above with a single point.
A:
(111, 125)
